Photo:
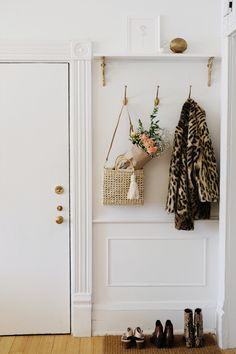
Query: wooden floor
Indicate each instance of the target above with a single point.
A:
(49, 344)
(58, 344)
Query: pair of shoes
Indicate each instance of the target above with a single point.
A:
(162, 338)
(193, 328)
(133, 337)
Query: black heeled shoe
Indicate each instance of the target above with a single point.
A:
(169, 334)
(158, 338)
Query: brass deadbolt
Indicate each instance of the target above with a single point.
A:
(59, 219)
(59, 207)
(59, 190)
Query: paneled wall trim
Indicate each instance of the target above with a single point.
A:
(187, 266)
(78, 55)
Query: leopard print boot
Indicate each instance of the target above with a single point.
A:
(188, 328)
(198, 324)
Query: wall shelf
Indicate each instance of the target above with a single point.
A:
(167, 57)
(152, 56)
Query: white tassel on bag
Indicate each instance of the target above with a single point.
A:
(133, 192)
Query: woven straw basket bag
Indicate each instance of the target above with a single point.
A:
(116, 182)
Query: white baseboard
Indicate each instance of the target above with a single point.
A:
(120, 333)
(220, 328)
(114, 318)
(81, 315)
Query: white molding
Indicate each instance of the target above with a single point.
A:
(226, 267)
(45, 50)
(81, 50)
(78, 54)
(153, 305)
(82, 315)
(151, 221)
(222, 335)
(144, 285)
(113, 318)
(81, 196)
(146, 332)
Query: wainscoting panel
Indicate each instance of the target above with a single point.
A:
(168, 262)
(141, 276)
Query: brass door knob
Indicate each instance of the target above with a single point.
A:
(59, 190)
(59, 219)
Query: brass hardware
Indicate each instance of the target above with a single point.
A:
(59, 219)
(125, 100)
(157, 101)
(190, 90)
(103, 65)
(210, 65)
(178, 45)
(59, 207)
(59, 190)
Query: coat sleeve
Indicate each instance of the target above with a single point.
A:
(207, 177)
(174, 171)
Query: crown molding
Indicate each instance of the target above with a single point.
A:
(54, 50)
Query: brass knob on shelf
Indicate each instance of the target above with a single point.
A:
(178, 45)
(59, 207)
(59, 190)
(59, 219)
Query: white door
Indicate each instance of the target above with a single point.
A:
(34, 159)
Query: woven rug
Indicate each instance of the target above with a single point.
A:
(113, 345)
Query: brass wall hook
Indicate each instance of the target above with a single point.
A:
(210, 65)
(103, 65)
(190, 91)
(125, 100)
(157, 100)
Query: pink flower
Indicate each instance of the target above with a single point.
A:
(152, 149)
(149, 142)
(144, 137)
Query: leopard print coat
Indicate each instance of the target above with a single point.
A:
(193, 176)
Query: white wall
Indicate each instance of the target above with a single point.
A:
(103, 22)
(141, 299)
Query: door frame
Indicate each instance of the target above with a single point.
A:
(226, 302)
(78, 54)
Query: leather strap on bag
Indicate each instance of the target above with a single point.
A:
(117, 124)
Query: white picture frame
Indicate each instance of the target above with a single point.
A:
(143, 35)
